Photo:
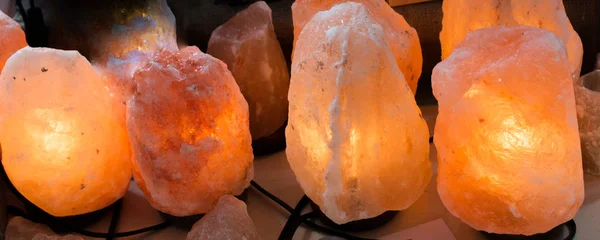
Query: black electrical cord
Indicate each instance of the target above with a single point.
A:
(305, 218)
(116, 216)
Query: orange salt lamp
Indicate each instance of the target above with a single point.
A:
(63, 146)
(464, 16)
(356, 140)
(401, 38)
(12, 38)
(506, 134)
(189, 127)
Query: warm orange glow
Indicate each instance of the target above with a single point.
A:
(63, 146)
(509, 156)
(188, 124)
(12, 38)
(464, 16)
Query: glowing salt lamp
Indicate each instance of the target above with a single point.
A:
(506, 134)
(189, 128)
(12, 38)
(63, 146)
(401, 38)
(464, 16)
(356, 140)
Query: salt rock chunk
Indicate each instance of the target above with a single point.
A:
(356, 140)
(464, 16)
(188, 124)
(57, 125)
(248, 45)
(116, 36)
(228, 220)
(402, 39)
(12, 38)
(587, 94)
(22, 229)
(509, 157)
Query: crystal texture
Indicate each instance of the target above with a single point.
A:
(356, 140)
(509, 156)
(63, 146)
(587, 94)
(12, 38)
(188, 124)
(248, 45)
(401, 38)
(228, 220)
(464, 16)
(22, 229)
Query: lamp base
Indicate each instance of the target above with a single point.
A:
(559, 232)
(270, 144)
(188, 222)
(355, 226)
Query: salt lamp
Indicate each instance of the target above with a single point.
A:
(587, 95)
(12, 38)
(228, 220)
(401, 38)
(257, 64)
(188, 125)
(356, 140)
(463, 16)
(115, 35)
(509, 157)
(63, 146)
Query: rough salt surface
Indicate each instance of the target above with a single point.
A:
(228, 220)
(188, 124)
(12, 38)
(402, 39)
(22, 229)
(356, 140)
(464, 16)
(63, 146)
(509, 157)
(248, 45)
(587, 94)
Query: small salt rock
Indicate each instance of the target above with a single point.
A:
(228, 220)
(248, 45)
(22, 229)
(12, 38)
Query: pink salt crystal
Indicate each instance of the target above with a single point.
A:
(402, 39)
(12, 38)
(506, 134)
(464, 16)
(248, 45)
(228, 220)
(22, 229)
(356, 140)
(188, 124)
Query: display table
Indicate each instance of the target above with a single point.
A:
(425, 219)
